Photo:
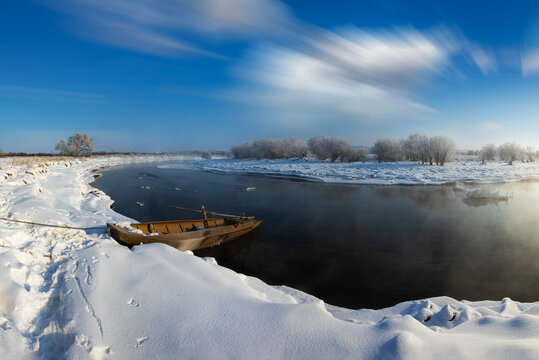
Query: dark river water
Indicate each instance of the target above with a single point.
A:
(356, 246)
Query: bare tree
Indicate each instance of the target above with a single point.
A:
(509, 152)
(387, 150)
(77, 145)
(1, 151)
(326, 147)
(487, 153)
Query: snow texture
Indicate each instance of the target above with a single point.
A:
(79, 295)
(371, 172)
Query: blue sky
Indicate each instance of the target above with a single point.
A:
(168, 75)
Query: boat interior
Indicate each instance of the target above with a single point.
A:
(179, 226)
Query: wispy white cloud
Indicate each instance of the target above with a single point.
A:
(357, 74)
(307, 72)
(491, 126)
(530, 63)
(167, 27)
(484, 60)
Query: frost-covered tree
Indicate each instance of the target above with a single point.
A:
(387, 150)
(425, 150)
(411, 147)
(295, 148)
(509, 152)
(77, 145)
(242, 151)
(442, 147)
(270, 149)
(327, 147)
(353, 155)
(487, 153)
(205, 154)
(529, 154)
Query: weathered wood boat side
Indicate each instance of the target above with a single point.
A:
(185, 234)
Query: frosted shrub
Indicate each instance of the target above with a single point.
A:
(326, 147)
(487, 153)
(242, 151)
(353, 155)
(425, 150)
(509, 152)
(416, 147)
(77, 145)
(529, 154)
(412, 147)
(205, 154)
(387, 150)
(442, 147)
(270, 149)
(295, 148)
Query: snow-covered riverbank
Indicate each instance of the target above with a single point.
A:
(372, 172)
(79, 294)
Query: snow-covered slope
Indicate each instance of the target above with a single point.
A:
(372, 172)
(78, 294)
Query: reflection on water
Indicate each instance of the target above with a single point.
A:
(238, 249)
(485, 201)
(356, 246)
(431, 197)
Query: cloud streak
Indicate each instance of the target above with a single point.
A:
(530, 63)
(356, 74)
(491, 126)
(305, 73)
(173, 28)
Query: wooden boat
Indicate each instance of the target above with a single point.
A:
(186, 234)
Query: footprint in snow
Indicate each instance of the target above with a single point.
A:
(141, 340)
(133, 302)
(84, 341)
(4, 325)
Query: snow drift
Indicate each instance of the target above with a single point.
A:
(79, 295)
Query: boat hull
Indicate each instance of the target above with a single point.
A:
(186, 234)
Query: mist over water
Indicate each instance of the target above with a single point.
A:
(355, 246)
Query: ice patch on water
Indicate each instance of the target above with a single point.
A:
(487, 194)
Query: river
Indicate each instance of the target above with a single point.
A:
(356, 246)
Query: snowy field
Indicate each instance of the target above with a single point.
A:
(372, 172)
(79, 295)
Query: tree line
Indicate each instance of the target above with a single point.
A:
(508, 152)
(417, 147)
(322, 147)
